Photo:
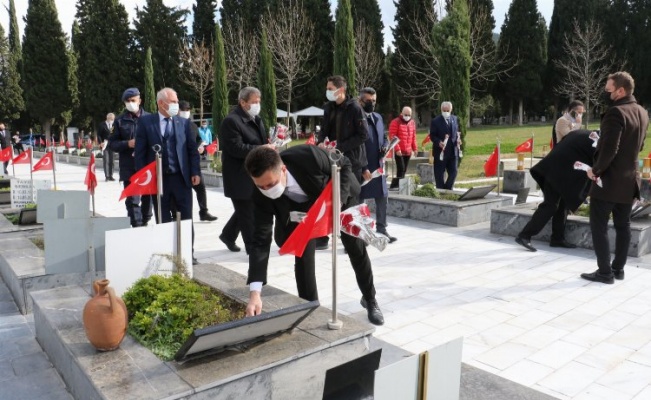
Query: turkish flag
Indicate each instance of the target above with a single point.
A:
(7, 154)
(526, 147)
(317, 223)
(41, 142)
(490, 167)
(142, 182)
(67, 144)
(23, 158)
(311, 140)
(425, 141)
(62, 142)
(211, 148)
(551, 143)
(89, 144)
(91, 178)
(79, 143)
(44, 163)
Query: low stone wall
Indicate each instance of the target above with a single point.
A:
(445, 212)
(511, 220)
(515, 180)
(290, 366)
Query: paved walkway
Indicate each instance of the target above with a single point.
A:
(525, 316)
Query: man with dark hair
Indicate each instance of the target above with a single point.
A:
(376, 146)
(200, 189)
(123, 142)
(344, 121)
(292, 181)
(5, 141)
(104, 133)
(570, 121)
(240, 132)
(623, 130)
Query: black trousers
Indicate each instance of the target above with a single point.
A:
(138, 207)
(449, 165)
(402, 162)
(202, 199)
(599, 212)
(240, 221)
(107, 162)
(552, 208)
(177, 196)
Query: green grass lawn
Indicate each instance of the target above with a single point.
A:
(480, 142)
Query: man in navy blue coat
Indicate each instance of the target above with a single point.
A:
(376, 146)
(445, 126)
(178, 150)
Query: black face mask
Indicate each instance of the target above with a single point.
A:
(368, 106)
(605, 98)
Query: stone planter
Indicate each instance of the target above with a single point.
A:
(510, 221)
(213, 179)
(445, 212)
(281, 368)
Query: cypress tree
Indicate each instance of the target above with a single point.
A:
(344, 60)
(14, 36)
(266, 83)
(638, 33)
(203, 26)
(11, 94)
(45, 62)
(368, 13)
(149, 102)
(452, 43)
(481, 14)
(73, 82)
(220, 94)
(102, 47)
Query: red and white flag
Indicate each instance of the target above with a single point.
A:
(41, 142)
(91, 178)
(211, 148)
(7, 154)
(311, 140)
(23, 158)
(142, 182)
(490, 167)
(425, 141)
(317, 223)
(45, 163)
(376, 174)
(526, 147)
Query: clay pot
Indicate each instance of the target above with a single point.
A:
(105, 318)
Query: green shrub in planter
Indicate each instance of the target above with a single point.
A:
(428, 190)
(164, 311)
(216, 162)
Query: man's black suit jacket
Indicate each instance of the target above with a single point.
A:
(103, 133)
(311, 168)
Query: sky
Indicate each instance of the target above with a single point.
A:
(67, 10)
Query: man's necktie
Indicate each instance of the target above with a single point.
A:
(168, 128)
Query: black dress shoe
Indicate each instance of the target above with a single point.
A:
(391, 238)
(526, 243)
(619, 274)
(562, 243)
(373, 311)
(230, 245)
(597, 277)
(322, 243)
(195, 261)
(207, 217)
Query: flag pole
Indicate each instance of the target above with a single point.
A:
(54, 174)
(159, 181)
(335, 323)
(532, 147)
(498, 166)
(31, 173)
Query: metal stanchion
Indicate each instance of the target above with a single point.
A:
(335, 156)
(499, 161)
(159, 180)
(178, 236)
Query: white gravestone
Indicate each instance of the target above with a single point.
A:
(23, 193)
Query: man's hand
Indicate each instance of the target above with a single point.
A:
(366, 175)
(398, 153)
(459, 139)
(441, 145)
(322, 145)
(200, 148)
(132, 143)
(254, 307)
(591, 175)
(196, 179)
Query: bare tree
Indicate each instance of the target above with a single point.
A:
(197, 69)
(368, 61)
(586, 64)
(291, 35)
(241, 55)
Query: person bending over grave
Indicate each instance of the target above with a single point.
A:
(292, 181)
(564, 187)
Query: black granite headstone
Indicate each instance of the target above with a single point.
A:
(478, 192)
(353, 380)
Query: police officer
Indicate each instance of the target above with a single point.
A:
(122, 141)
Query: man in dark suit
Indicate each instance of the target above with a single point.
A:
(103, 133)
(240, 132)
(445, 126)
(564, 188)
(123, 142)
(292, 181)
(623, 130)
(376, 146)
(5, 141)
(179, 154)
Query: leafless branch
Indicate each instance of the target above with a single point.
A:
(368, 61)
(487, 63)
(241, 55)
(197, 69)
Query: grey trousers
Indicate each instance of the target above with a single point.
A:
(381, 214)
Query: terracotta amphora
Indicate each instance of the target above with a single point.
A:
(105, 318)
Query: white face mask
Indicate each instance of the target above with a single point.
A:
(173, 109)
(330, 95)
(254, 110)
(445, 114)
(406, 118)
(275, 192)
(184, 114)
(132, 106)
